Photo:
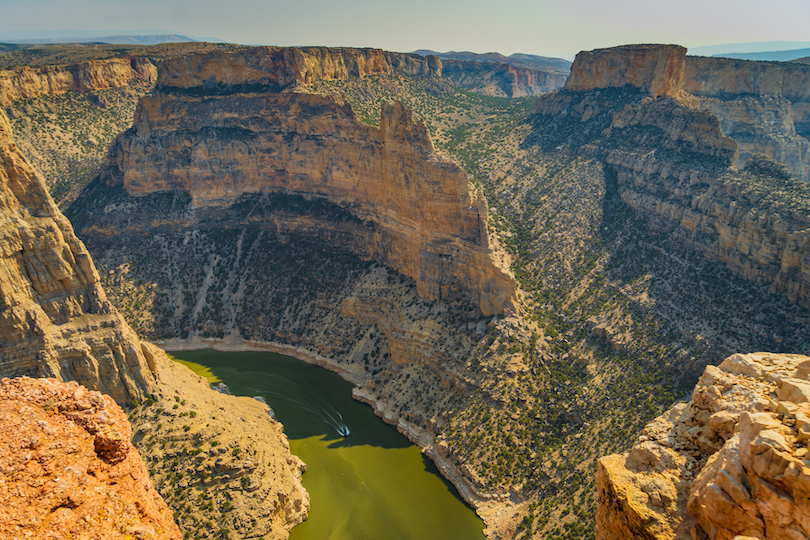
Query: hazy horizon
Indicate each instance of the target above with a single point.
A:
(513, 26)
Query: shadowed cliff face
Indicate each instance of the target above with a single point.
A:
(55, 318)
(501, 80)
(217, 148)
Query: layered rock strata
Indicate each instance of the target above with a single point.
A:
(764, 106)
(501, 79)
(27, 83)
(55, 320)
(672, 164)
(68, 469)
(280, 66)
(420, 216)
(729, 463)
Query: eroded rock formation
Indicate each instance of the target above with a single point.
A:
(27, 83)
(672, 164)
(277, 67)
(764, 106)
(501, 79)
(68, 469)
(419, 215)
(730, 462)
(55, 320)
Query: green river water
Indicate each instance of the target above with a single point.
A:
(372, 484)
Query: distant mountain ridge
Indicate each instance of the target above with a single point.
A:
(152, 39)
(778, 56)
(530, 61)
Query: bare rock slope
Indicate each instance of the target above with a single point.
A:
(730, 462)
(68, 469)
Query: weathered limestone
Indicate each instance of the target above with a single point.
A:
(278, 67)
(656, 69)
(729, 463)
(55, 320)
(68, 468)
(27, 83)
(424, 221)
(500, 79)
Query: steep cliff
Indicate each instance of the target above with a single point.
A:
(727, 463)
(418, 214)
(501, 79)
(56, 320)
(764, 106)
(671, 163)
(68, 468)
(273, 67)
(27, 83)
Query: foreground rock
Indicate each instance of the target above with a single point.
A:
(730, 462)
(55, 321)
(68, 470)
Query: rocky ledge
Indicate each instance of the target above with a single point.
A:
(732, 462)
(68, 469)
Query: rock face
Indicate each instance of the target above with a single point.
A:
(730, 462)
(421, 219)
(27, 83)
(68, 469)
(55, 320)
(671, 163)
(764, 106)
(277, 67)
(500, 79)
(656, 69)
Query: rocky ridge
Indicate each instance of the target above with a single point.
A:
(501, 79)
(56, 322)
(26, 83)
(731, 462)
(69, 468)
(757, 224)
(421, 218)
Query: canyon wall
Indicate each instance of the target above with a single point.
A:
(729, 462)
(56, 320)
(500, 79)
(27, 83)
(764, 106)
(422, 219)
(99, 488)
(671, 164)
(278, 67)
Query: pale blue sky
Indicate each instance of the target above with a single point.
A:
(545, 27)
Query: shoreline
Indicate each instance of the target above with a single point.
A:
(497, 510)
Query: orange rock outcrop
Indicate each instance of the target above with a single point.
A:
(55, 320)
(421, 218)
(730, 463)
(68, 469)
(27, 83)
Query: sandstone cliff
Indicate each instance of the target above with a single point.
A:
(501, 79)
(671, 164)
(274, 67)
(68, 469)
(419, 214)
(656, 69)
(764, 106)
(27, 83)
(730, 462)
(56, 320)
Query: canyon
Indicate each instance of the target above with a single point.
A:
(643, 250)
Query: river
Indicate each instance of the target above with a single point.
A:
(369, 484)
